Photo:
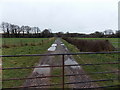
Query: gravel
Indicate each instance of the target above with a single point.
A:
(57, 60)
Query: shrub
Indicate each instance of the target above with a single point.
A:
(91, 45)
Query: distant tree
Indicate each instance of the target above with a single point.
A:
(14, 30)
(60, 34)
(22, 29)
(36, 30)
(97, 34)
(118, 34)
(5, 28)
(33, 29)
(108, 32)
(67, 34)
(27, 28)
(19, 30)
(46, 33)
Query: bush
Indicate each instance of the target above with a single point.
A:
(91, 45)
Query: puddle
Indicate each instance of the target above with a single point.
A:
(52, 49)
(62, 44)
(43, 70)
(71, 62)
(54, 45)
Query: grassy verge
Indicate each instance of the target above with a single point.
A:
(21, 61)
(100, 58)
(56, 80)
(57, 71)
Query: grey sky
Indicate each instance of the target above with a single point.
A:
(81, 16)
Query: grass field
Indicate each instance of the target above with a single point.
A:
(98, 58)
(16, 42)
(22, 61)
(17, 46)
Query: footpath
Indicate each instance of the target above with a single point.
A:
(56, 48)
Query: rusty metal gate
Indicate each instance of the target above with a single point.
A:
(63, 68)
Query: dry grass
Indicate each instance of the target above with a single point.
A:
(91, 45)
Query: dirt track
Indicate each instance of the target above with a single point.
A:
(52, 60)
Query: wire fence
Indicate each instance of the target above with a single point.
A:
(63, 75)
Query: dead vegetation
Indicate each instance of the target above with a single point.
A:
(91, 45)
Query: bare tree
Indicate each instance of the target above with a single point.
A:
(12, 29)
(38, 30)
(34, 30)
(108, 32)
(7, 30)
(3, 27)
(27, 29)
(19, 30)
(22, 29)
(15, 30)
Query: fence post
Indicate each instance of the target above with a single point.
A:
(63, 72)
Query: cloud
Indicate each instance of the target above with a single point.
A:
(62, 15)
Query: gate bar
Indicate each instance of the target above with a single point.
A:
(63, 71)
(111, 52)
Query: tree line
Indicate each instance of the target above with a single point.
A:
(105, 34)
(16, 31)
(12, 30)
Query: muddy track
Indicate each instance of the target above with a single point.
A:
(57, 60)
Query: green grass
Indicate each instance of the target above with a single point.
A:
(22, 61)
(23, 40)
(57, 71)
(56, 80)
(16, 42)
(97, 58)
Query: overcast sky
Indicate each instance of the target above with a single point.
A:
(81, 16)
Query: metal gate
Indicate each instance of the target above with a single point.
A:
(63, 68)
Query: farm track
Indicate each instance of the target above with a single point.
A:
(57, 60)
